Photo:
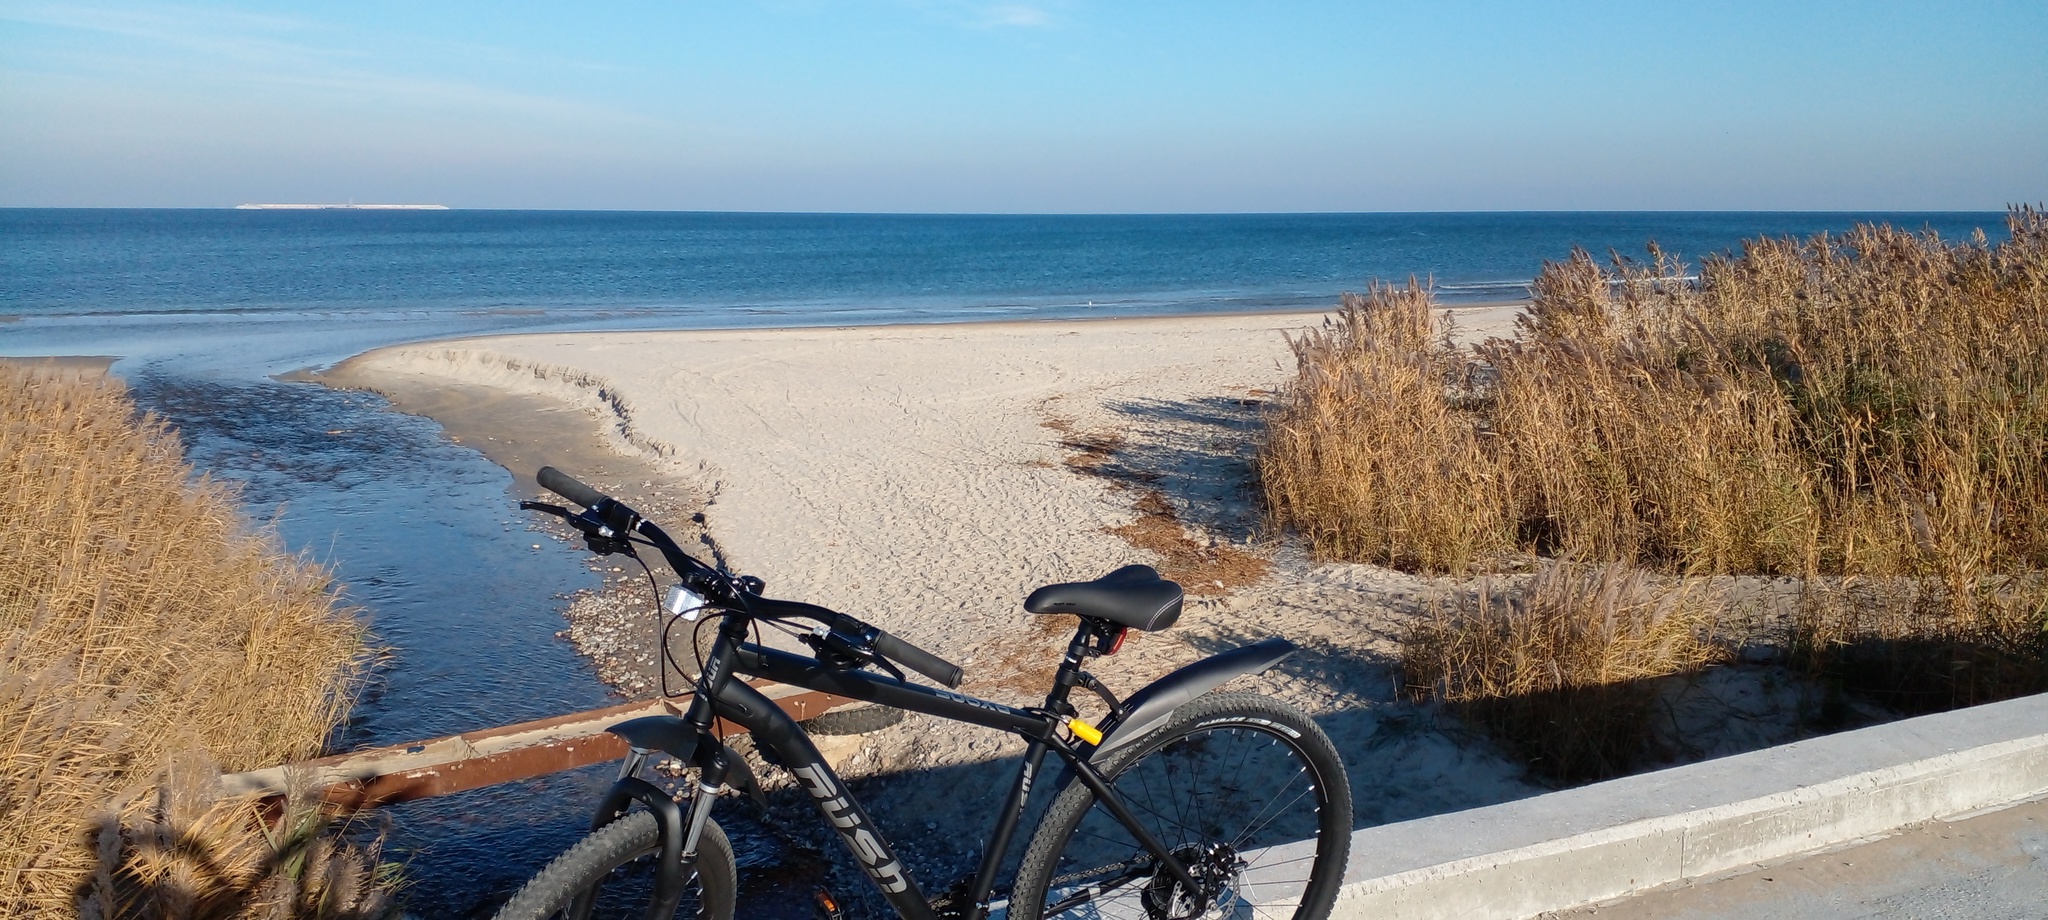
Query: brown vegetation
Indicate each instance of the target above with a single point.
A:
(1557, 670)
(1201, 564)
(1373, 455)
(1865, 410)
(1202, 567)
(144, 625)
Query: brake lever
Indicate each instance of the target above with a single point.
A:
(841, 652)
(598, 536)
(605, 546)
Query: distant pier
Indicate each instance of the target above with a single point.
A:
(351, 206)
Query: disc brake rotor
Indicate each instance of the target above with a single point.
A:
(1213, 867)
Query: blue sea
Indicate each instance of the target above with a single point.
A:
(204, 307)
(149, 283)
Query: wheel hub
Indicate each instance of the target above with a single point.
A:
(1214, 867)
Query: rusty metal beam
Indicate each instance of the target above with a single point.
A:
(471, 760)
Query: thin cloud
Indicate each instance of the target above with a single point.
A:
(1005, 15)
(233, 35)
(983, 16)
(276, 54)
(215, 33)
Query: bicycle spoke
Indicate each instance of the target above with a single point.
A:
(1193, 769)
(1306, 857)
(1276, 815)
(1166, 779)
(1141, 805)
(1238, 789)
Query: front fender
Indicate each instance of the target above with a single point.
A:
(668, 734)
(1153, 706)
(677, 738)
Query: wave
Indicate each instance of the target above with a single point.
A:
(1468, 291)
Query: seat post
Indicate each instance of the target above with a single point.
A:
(1081, 648)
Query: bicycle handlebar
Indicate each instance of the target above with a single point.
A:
(568, 487)
(863, 635)
(616, 515)
(917, 659)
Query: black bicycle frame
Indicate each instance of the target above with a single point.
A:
(740, 703)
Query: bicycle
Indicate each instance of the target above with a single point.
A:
(1182, 803)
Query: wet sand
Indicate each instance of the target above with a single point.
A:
(66, 365)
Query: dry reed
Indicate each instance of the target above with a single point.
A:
(1901, 642)
(1872, 405)
(1373, 457)
(142, 622)
(1558, 672)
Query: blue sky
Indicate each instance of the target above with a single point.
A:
(933, 106)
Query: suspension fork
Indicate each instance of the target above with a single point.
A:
(678, 840)
(677, 849)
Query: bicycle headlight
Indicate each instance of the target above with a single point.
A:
(683, 602)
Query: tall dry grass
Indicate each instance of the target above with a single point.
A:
(1916, 646)
(1557, 670)
(144, 622)
(1374, 456)
(1870, 406)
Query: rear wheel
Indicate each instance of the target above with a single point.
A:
(1247, 793)
(615, 865)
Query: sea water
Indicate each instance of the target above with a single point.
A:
(697, 269)
(205, 306)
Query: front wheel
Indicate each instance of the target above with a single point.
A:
(1246, 792)
(615, 865)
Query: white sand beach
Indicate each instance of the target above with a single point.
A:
(916, 475)
(927, 477)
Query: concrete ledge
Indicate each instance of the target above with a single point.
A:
(1567, 849)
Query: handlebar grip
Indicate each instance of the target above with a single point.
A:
(566, 486)
(917, 659)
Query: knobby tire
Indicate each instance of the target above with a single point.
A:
(1229, 785)
(619, 860)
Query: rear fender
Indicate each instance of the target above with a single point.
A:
(1155, 705)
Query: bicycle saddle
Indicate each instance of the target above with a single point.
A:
(1132, 596)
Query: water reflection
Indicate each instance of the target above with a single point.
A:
(424, 535)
